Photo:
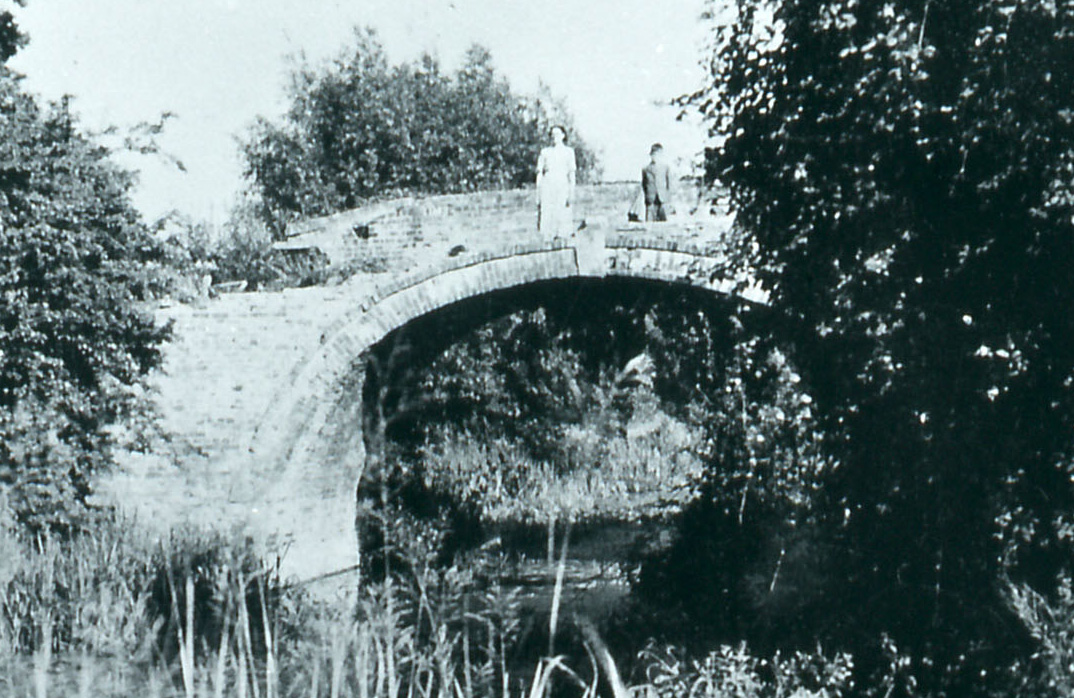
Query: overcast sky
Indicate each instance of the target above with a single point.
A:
(219, 63)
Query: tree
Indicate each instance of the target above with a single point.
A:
(11, 39)
(905, 168)
(75, 342)
(360, 129)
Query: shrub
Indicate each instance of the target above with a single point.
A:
(732, 672)
(76, 341)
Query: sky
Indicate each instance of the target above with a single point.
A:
(218, 64)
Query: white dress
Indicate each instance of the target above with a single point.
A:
(555, 181)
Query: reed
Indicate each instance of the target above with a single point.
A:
(203, 615)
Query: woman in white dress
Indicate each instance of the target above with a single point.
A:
(555, 185)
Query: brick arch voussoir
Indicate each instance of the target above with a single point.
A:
(309, 442)
(289, 431)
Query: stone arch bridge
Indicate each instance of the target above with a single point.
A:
(258, 398)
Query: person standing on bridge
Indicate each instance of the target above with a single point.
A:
(556, 169)
(656, 185)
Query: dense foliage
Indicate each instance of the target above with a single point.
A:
(361, 128)
(526, 409)
(906, 169)
(75, 344)
(238, 255)
(650, 402)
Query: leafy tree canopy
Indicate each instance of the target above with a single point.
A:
(360, 128)
(906, 168)
(75, 344)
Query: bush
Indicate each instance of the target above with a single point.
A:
(1050, 621)
(76, 341)
(244, 253)
(732, 672)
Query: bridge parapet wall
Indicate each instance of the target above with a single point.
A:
(406, 233)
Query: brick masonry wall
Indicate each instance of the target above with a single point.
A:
(259, 393)
(404, 234)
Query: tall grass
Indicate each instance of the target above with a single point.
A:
(205, 615)
(650, 472)
(116, 613)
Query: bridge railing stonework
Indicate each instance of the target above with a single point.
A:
(406, 233)
(266, 388)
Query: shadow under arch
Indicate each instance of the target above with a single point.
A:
(605, 324)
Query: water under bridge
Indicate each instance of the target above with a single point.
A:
(260, 397)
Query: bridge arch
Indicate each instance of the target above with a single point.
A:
(310, 439)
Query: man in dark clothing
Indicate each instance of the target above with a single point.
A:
(656, 185)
